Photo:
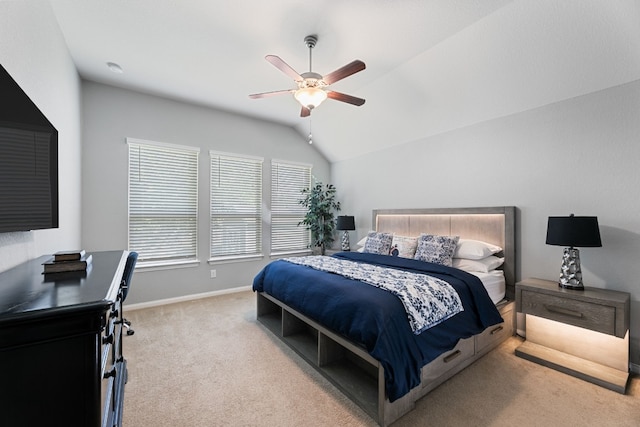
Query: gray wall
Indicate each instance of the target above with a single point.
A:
(577, 156)
(33, 51)
(110, 115)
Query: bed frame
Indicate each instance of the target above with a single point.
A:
(348, 365)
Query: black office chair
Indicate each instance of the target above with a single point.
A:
(130, 265)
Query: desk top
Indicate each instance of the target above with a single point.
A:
(27, 293)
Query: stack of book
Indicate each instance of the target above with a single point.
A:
(68, 261)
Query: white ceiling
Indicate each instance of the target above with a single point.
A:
(432, 65)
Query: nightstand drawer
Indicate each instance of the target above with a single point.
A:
(597, 317)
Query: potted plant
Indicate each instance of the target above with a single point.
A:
(320, 201)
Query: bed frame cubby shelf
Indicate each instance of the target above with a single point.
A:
(350, 368)
(357, 374)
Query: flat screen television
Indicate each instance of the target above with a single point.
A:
(28, 162)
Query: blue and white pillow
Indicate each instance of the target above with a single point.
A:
(378, 243)
(436, 249)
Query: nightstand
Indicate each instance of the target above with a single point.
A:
(584, 333)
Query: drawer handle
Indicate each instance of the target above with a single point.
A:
(496, 330)
(564, 311)
(451, 356)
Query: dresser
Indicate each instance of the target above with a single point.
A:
(584, 333)
(61, 356)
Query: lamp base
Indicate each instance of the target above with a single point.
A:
(345, 241)
(570, 272)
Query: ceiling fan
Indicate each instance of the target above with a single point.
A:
(312, 86)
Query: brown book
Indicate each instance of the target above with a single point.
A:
(69, 255)
(53, 266)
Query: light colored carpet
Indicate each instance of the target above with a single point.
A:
(210, 363)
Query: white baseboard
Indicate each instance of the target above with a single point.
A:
(635, 368)
(156, 303)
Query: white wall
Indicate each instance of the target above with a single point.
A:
(33, 51)
(110, 115)
(577, 156)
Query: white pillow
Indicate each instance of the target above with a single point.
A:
(403, 246)
(362, 241)
(475, 249)
(484, 265)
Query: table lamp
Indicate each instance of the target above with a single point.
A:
(345, 223)
(572, 231)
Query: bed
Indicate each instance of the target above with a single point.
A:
(357, 334)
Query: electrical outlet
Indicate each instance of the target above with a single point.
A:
(213, 274)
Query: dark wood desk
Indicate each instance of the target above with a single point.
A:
(61, 359)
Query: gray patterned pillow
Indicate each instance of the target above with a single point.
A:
(378, 243)
(436, 249)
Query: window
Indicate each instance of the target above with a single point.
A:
(163, 196)
(236, 206)
(287, 182)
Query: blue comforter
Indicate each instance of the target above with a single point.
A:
(375, 318)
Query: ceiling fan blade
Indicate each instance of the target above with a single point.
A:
(284, 67)
(345, 71)
(267, 94)
(305, 112)
(345, 98)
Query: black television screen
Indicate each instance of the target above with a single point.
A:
(28, 162)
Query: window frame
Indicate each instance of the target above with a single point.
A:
(296, 212)
(190, 169)
(258, 218)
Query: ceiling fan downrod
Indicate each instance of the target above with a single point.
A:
(310, 41)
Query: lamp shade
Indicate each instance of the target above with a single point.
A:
(574, 231)
(310, 97)
(346, 223)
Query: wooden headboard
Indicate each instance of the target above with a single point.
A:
(494, 225)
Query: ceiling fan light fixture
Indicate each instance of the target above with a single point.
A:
(310, 97)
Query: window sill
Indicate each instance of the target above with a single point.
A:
(292, 253)
(232, 259)
(167, 265)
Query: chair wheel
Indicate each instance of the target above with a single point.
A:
(130, 332)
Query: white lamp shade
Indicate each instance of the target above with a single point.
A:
(310, 97)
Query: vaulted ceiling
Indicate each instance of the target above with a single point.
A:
(432, 65)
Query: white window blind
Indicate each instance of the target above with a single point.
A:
(163, 199)
(236, 206)
(287, 182)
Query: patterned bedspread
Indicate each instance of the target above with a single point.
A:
(426, 299)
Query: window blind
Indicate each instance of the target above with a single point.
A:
(163, 198)
(236, 206)
(287, 182)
